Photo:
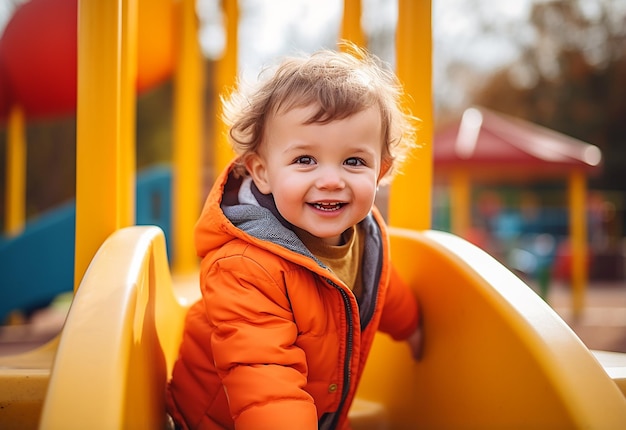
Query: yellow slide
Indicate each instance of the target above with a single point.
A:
(496, 355)
(120, 339)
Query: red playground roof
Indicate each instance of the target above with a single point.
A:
(488, 141)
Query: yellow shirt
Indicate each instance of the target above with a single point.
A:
(344, 260)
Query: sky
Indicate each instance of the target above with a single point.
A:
(271, 29)
(265, 24)
(5, 10)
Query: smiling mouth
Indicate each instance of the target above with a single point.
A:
(328, 207)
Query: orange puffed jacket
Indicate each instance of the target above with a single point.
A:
(277, 341)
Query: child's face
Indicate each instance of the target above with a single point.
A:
(323, 176)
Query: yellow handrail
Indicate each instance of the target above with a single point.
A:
(187, 139)
(351, 28)
(15, 189)
(410, 194)
(225, 79)
(104, 143)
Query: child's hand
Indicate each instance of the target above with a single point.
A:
(416, 343)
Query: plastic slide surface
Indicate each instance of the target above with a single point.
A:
(496, 356)
(120, 339)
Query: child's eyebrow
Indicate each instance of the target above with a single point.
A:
(300, 146)
(357, 150)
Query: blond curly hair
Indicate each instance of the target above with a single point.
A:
(340, 83)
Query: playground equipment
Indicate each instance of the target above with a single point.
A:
(49, 240)
(488, 147)
(496, 355)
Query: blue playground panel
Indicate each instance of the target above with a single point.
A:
(38, 265)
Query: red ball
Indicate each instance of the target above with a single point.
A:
(5, 100)
(38, 50)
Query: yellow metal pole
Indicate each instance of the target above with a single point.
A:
(128, 112)
(188, 108)
(15, 189)
(351, 23)
(225, 80)
(578, 239)
(460, 203)
(104, 147)
(410, 194)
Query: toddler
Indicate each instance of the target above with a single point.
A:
(296, 274)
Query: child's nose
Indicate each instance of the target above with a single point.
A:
(330, 178)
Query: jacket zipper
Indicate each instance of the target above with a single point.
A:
(348, 357)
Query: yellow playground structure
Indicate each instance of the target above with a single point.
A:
(496, 355)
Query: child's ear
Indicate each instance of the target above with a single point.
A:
(384, 169)
(255, 165)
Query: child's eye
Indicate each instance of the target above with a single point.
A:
(305, 159)
(355, 161)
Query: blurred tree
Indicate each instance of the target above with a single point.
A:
(571, 77)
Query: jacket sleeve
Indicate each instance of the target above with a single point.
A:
(400, 316)
(253, 345)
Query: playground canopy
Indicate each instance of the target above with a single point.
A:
(496, 146)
